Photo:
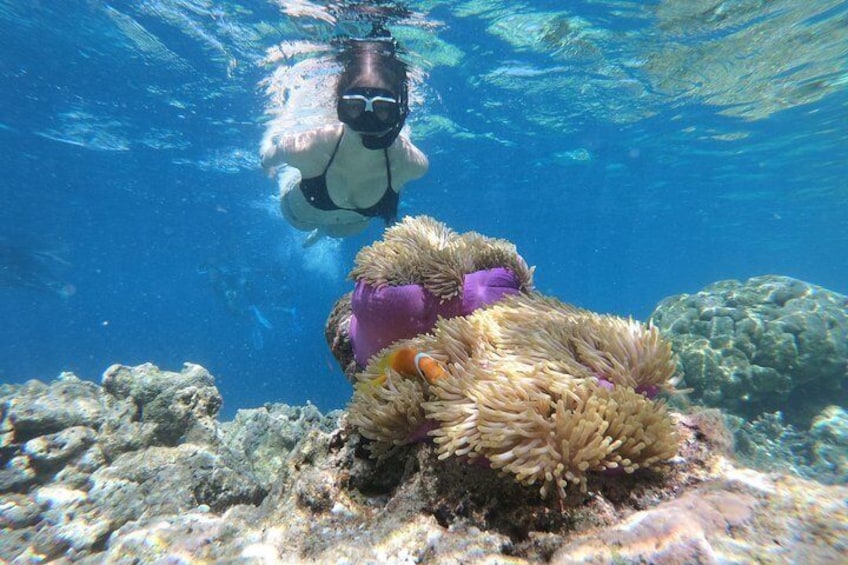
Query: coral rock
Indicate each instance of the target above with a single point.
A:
(771, 343)
(744, 517)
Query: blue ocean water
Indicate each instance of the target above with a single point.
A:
(631, 150)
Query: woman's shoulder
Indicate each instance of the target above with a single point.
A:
(314, 138)
(310, 150)
(414, 159)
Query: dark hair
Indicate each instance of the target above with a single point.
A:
(372, 63)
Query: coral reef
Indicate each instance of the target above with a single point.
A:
(769, 444)
(476, 400)
(286, 485)
(80, 461)
(769, 344)
(829, 433)
(820, 453)
(529, 386)
(745, 517)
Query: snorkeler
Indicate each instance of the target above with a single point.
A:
(341, 176)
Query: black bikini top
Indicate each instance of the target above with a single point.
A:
(315, 191)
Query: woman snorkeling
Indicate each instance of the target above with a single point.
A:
(342, 175)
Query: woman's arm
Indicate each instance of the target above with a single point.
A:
(413, 164)
(271, 150)
(419, 161)
(307, 151)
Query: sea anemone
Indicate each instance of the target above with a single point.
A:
(421, 250)
(420, 271)
(536, 388)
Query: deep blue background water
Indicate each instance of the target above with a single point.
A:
(132, 179)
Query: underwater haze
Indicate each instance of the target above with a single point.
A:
(631, 150)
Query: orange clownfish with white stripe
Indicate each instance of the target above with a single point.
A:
(408, 361)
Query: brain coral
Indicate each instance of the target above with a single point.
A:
(536, 388)
(770, 343)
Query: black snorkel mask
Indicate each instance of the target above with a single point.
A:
(376, 114)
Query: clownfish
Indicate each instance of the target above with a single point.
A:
(408, 361)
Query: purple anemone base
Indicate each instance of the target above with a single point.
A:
(381, 316)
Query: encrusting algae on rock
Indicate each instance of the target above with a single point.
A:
(535, 388)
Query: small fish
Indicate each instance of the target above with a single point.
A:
(314, 237)
(408, 361)
(260, 318)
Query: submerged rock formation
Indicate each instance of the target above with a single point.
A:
(80, 461)
(88, 477)
(769, 344)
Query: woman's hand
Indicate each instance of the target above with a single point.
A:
(270, 153)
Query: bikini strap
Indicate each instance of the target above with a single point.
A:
(388, 204)
(333, 155)
(388, 168)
